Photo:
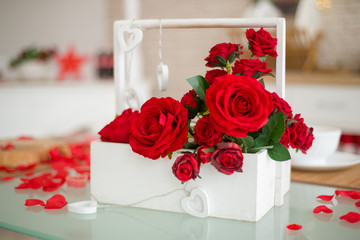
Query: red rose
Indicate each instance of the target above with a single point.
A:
(298, 135)
(238, 105)
(223, 50)
(159, 128)
(188, 101)
(227, 158)
(261, 42)
(186, 167)
(212, 74)
(251, 66)
(119, 129)
(205, 133)
(281, 105)
(203, 157)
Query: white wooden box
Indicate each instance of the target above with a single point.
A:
(119, 176)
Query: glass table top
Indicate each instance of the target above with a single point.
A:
(116, 222)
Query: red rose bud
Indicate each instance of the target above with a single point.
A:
(119, 129)
(281, 105)
(238, 105)
(186, 167)
(160, 128)
(227, 158)
(205, 133)
(223, 50)
(190, 103)
(251, 67)
(211, 75)
(261, 42)
(203, 157)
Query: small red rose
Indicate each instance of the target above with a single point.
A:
(281, 105)
(227, 158)
(186, 167)
(205, 133)
(211, 75)
(223, 50)
(188, 100)
(299, 135)
(160, 128)
(119, 129)
(251, 67)
(203, 157)
(261, 42)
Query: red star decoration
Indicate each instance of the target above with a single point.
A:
(70, 63)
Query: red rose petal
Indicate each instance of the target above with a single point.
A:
(348, 193)
(325, 197)
(23, 168)
(8, 146)
(56, 202)
(322, 208)
(29, 174)
(25, 138)
(24, 185)
(34, 202)
(2, 167)
(351, 217)
(294, 227)
(10, 170)
(7, 178)
(357, 204)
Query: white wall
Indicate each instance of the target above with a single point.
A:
(46, 23)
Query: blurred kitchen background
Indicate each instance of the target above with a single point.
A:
(41, 95)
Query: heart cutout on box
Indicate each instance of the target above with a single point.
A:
(129, 38)
(188, 208)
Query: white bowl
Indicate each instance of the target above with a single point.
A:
(326, 141)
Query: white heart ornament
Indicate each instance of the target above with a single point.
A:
(83, 207)
(162, 76)
(124, 32)
(186, 203)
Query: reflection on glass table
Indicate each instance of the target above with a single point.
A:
(116, 222)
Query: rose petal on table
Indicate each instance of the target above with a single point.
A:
(8, 146)
(348, 193)
(7, 178)
(29, 174)
(351, 217)
(10, 170)
(34, 202)
(294, 226)
(23, 185)
(325, 197)
(357, 204)
(322, 208)
(56, 202)
(27, 167)
(25, 138)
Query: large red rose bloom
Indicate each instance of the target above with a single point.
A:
(159, 128)
(238, 105)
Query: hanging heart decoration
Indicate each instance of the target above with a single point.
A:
(129, 38)
(162, 76)
(188, 208)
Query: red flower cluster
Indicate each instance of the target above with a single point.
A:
(213, 119)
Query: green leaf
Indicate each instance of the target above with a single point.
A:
(212, 149)
(199, 84)
(191, 145)
(279, 152)
(261, 140)
(247, 142)
(257, 74)
(271, 74)
(232, 56)
(275, 127)
(263, 58)
(262, 82)
(221, 60)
